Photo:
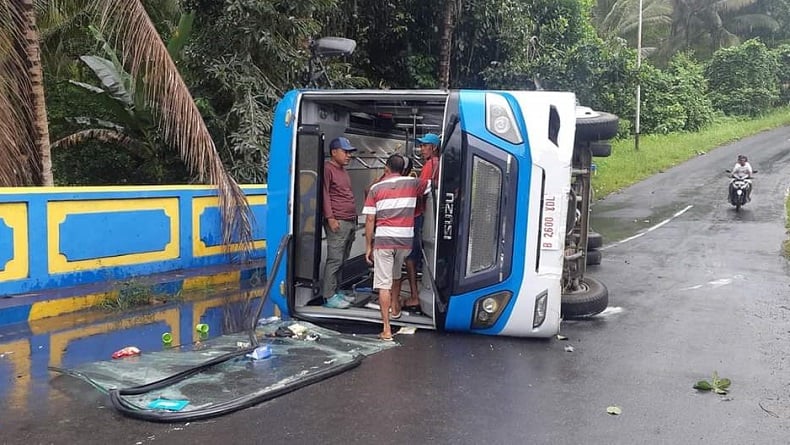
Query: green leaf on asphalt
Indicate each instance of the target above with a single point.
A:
(703, 385)
(614, 410)
(717, 384)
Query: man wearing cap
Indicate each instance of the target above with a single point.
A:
(340, 219)
(429, 146)
(389, 226)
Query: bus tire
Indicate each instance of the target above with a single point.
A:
(594, 240)
(601, 149)
(593, 257)
(599, 126)
(592, 298)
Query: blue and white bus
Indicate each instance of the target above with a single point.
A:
(506, 227)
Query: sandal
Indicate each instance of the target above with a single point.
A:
(413, 309)
(383, 337)
(395, 317)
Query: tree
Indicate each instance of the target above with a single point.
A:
(446, 42)
(145, 57)
(744, 79)
(246, 54)
(24, 116)
(677, 25)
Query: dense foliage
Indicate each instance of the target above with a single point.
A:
(743, 79)
(240, 56)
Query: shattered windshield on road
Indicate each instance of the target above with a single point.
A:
(281, 361)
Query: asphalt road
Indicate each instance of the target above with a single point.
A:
(706, 291)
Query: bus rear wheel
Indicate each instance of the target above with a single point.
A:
(589, 299)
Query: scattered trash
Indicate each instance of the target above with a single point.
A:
(312, 336)
(568, 348)
(329, 362)
(260, 353)
(561, 337)
(297, 329)
(243, 344)
(202, 328)
(406, 330)
(167, 338)
(168, 404)
(126, 352)
(268, 320)
(614, 410)
(717, 385)
(283, 331)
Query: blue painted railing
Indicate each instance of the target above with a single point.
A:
(61, 237)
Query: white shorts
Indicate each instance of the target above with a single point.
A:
(387, 265)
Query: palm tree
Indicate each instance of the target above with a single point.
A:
(23, 121)
(689, 24)
(23, 129)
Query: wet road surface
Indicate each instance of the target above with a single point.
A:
(707, 291)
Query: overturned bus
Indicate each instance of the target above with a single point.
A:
(506, 226)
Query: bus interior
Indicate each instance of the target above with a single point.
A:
(377, 126)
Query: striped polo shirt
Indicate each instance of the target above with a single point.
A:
(392, 201)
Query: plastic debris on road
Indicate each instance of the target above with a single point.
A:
(128, 351)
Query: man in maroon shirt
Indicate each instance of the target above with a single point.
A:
(340, 219)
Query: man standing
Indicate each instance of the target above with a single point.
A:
(389, 207)
(340, 219)
(429, 146)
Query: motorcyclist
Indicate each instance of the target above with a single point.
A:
(743, 170)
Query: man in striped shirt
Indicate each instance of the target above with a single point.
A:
(389, 207)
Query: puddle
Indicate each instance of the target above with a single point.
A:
(27, 350)
(616, 223)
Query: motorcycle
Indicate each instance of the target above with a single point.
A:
(739, 191)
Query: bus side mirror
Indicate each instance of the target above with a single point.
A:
(333, 47)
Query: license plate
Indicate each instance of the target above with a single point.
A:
(550, 225)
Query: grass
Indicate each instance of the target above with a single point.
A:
(132, 294)
(657, 153)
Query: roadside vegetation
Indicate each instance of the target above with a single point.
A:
(130, 294)
(105, 111)
(658, 152)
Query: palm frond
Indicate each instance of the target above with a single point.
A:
(749, 22)
(146, 58)
(18, 154)
(731, 5)
(96, 134)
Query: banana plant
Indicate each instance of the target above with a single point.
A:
(133, 125)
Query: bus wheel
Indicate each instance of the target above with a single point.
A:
(594, 240)
(594, 257)
(591, 298)
(595, 125)
(601, 149)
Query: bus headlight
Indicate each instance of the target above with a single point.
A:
(488, 309)
(500, 120)
(540, 309)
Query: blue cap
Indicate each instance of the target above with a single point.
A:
(430, 138)
(341, 142)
